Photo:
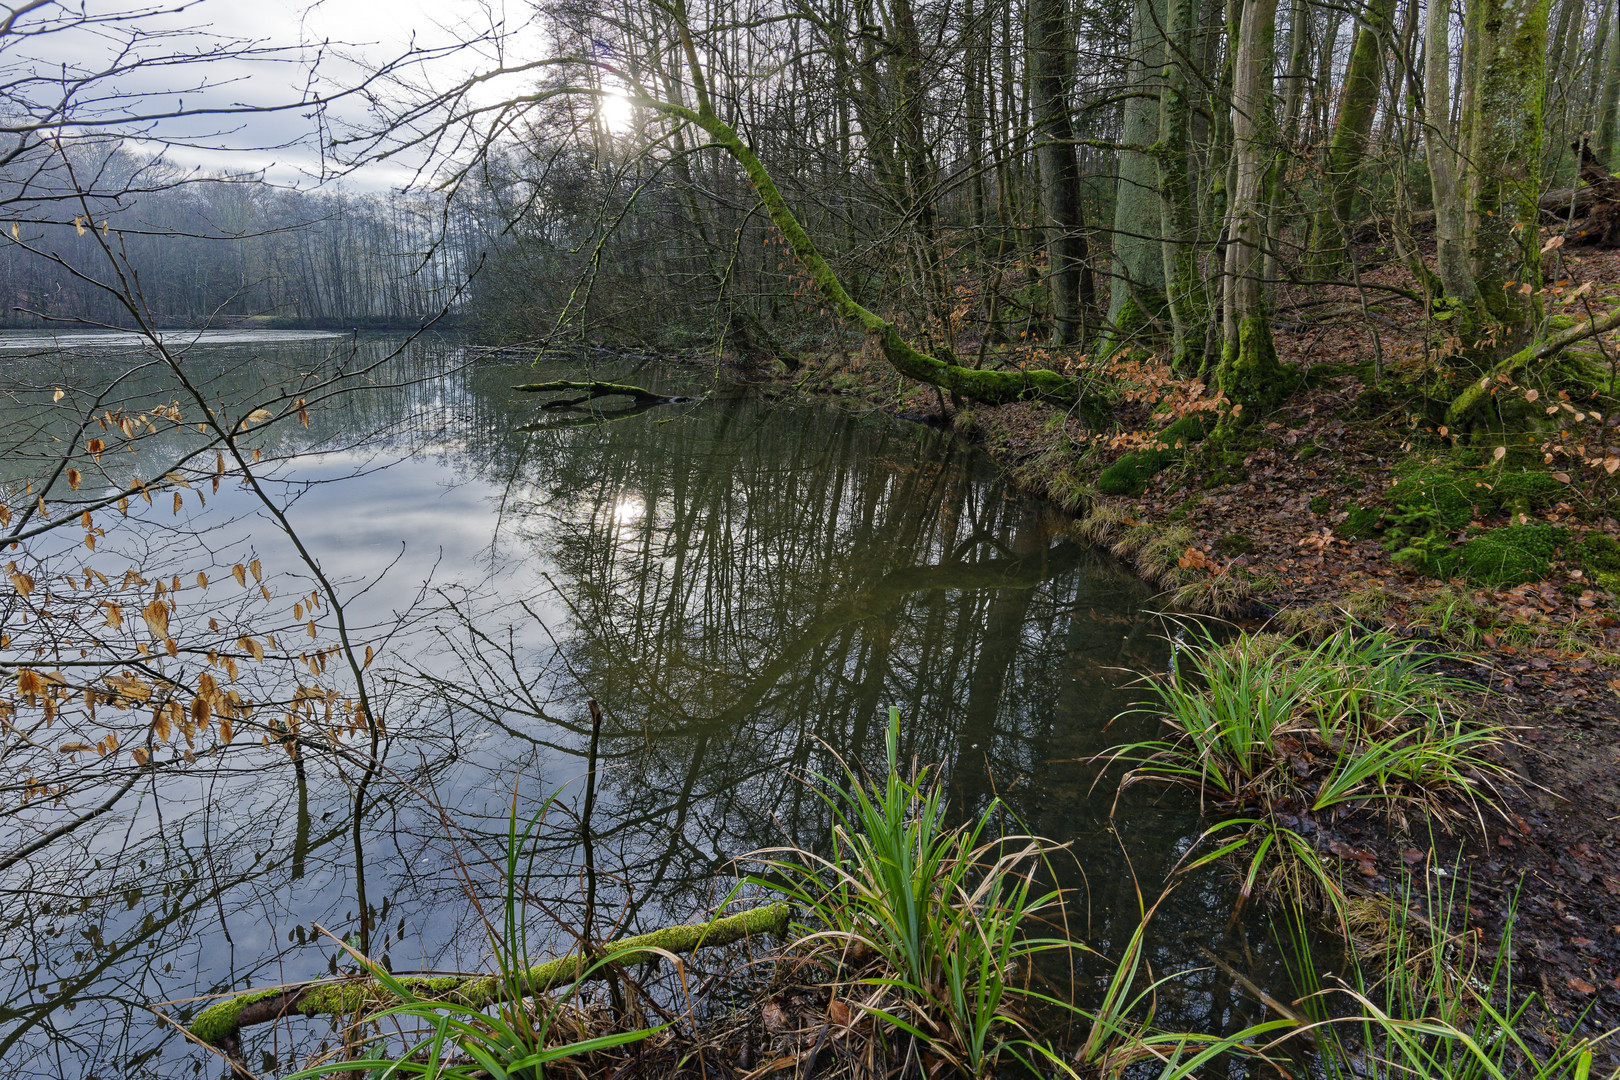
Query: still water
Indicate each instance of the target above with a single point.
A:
(743, 585)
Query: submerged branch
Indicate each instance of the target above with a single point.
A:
(220, 1024)
(592, 389)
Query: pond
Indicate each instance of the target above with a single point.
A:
(743, 585)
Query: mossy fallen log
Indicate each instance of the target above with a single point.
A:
(220, 1023)
(1475, 394)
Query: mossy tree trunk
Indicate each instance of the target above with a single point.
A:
(1137, 296)
(1249, 374)
(1184, 284)
(1502, 146)
(1445, 163)
(220, 1024)
(1051, 47)
(1288, 128)
(1609, 94)
(921, 185)
(1358, 102)
(988, 387)
(1504, 90)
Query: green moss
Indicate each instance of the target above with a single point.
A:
(1320, 504)
(1511, 555)
(219, 1019)
(1249, 373)
(1186, 431)
(1362, 524)
(1233, 544)
(1447, 498)
(1433, 499)
(1452, 496)
(350, 996)
(1600, 557)
(1526, 492)
(1131, 473)
(1131, 323)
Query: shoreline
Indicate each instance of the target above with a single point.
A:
(1257, 535)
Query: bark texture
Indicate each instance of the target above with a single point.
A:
(1051, 48)
(1137, 297)
(220, 1023)
(1184, 284)
(1250, 376)
(1502, 140)
(1441, 152)
(1357, 104)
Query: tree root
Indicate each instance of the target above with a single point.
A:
(221, 1023)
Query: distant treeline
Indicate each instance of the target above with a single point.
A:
(226, 250)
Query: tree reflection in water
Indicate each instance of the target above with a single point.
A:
(744, 587)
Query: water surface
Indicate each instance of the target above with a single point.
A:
(744, 586)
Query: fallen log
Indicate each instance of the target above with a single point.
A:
(220, 1024)
(592, 389)
(1475, 394)
(1557, 207)
(1601, 226)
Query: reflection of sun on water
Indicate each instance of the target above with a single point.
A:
(617, 115)
(628, 509)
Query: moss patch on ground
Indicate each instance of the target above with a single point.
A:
(1511, 555)
(1129, 475)
(1600, 558)
(1432, 500)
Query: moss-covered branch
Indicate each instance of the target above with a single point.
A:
(989, 387)
(219, 1024)
(1475, 393)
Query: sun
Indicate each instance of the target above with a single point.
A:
(618, 116)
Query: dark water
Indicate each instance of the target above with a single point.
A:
(744, 587)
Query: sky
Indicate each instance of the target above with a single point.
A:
(348, 35)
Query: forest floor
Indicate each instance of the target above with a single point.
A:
(1260, 528)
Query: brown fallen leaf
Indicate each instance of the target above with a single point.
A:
(775, 1019)
(838, 1013)
(1580, 986)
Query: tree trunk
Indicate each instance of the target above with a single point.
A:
(1350, 129)
(1299, 48)
(1502, 138)
(989, 387)
(1137, 297)
(1440, 149)
(1250, 376)
(1609, 96)
(1184, 285)
(1050, 49)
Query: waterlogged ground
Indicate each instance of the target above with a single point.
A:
(744, 586)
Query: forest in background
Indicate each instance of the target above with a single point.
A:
(1054, 173)
(215, 250)
(1070, 174)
